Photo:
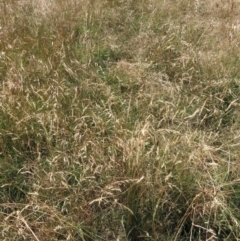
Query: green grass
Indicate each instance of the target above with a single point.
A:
(119, 120)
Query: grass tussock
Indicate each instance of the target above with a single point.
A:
(119, 120)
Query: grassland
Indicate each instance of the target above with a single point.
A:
(119, 120)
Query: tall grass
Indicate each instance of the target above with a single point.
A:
(119, 120)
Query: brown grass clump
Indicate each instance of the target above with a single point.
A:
(119, 120)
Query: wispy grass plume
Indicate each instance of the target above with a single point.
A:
(119, 120)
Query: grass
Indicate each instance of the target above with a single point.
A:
(119, 120)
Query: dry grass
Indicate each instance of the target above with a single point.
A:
(119, 120)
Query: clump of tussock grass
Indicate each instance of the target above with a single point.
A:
(119, 120)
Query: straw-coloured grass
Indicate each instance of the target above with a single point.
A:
(119, 120)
